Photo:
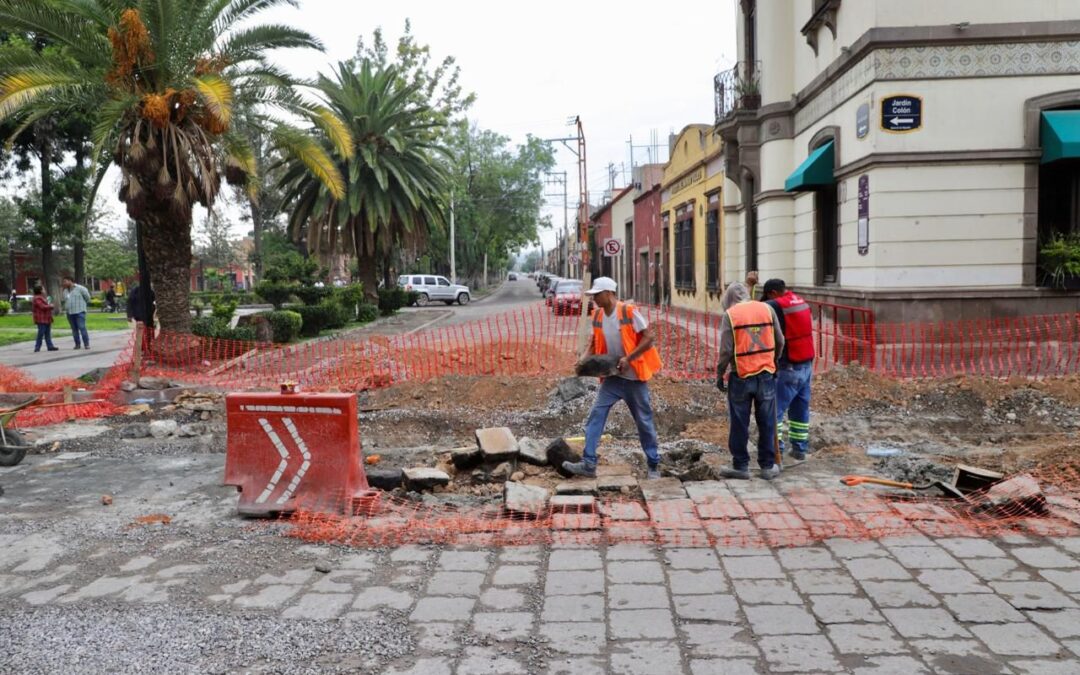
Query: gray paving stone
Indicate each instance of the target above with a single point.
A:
(800, 654)
(892, 665)
(824, 581)
(875, 568)
(465, 561)
(1061, 624)
(707, 608)
(866, 638)
(807, 559)
(576, 638)
(426, 666)
(767, 592)
(502, 598)
(692, 559)
(381, 596)
(581, 582)
(971, 547)
(957, 656)
(952, 581)
(578, 665)
(270, 596)
(753, 567)
(1043, 667)
(899, 594)
(925, 557)
(905, 540)
(981, 608)
(641, 624)
(713, 640)
(1044, 557)
(442, 609)
(630, 552)
(488, 661)
(635, 572)
(852, 548)
(411, 554)
(575, 559)
(638, 596)
(997, 569)
(1032, 595)
(928, 623)
(1070, 544)
(844, 609)
(503, 625)
(686, 582)
(318, 606)
(1066, 580)
(340, 581)
(520, 554)
(560, 608)
(437, 638)
(456, 583)
(515, 575)
(781, 620)
(352, 561)
(1016, 639)
(723, 667)
(645, 657)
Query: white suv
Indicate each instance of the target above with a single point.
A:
(431, 287)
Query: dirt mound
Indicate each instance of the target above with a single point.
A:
(482, 394)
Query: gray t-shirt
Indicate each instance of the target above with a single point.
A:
(613, 337)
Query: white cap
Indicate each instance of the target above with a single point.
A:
(601, 284)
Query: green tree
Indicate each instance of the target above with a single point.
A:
(394, 186)
(217, 247)
(110, 257)
(160, 80)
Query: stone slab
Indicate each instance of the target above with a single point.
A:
(497, 444)
(573, 504)
(663, 489)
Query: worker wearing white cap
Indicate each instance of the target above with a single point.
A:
(620, 330)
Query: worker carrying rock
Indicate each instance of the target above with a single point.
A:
(620, 331)
(752, 340)
(795, 367)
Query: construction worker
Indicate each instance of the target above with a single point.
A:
(751, 339)
(620, 330)
(795, 367)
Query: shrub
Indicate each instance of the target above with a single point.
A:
(338, 316)
(392, 299)
(5, 307)
(284, 324)
(350, 297)
(199, 306)
(224, 309)
(366, 312)
(314, 318)
(95, 303)
(277, 293)
(215, 327)
(312, 295)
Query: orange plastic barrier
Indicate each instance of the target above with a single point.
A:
(287, 450)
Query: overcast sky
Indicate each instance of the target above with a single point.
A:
(624, 68)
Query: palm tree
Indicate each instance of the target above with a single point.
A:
(161, 79)
(393, 186)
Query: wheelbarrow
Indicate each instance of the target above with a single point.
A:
(12, 446)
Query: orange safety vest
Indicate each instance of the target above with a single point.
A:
(755, 343)
(646, 365)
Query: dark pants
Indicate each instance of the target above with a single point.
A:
(758, 392)
(44, 333)
(78, 328)
(636, 396)
(793, 399)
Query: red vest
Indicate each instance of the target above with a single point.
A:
(798, 328)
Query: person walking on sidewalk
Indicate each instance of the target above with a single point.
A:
(76, 300)
(795, 367)
(620, 330)
(43, 317)
(751, 339)
(141, 310)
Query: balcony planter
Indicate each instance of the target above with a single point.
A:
(750, 101)
(1060, 259)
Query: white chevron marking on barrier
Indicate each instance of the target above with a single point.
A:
(303, 467)
(283, 451)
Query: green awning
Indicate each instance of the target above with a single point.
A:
(815, 172)
(1060, 135)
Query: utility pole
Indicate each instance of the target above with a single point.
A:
(559, 178)
(583, 234)
(453, 257)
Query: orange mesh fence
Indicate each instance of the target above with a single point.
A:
(712, 514)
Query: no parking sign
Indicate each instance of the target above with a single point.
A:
(612, 247)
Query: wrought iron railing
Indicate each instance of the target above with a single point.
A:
(737, 89)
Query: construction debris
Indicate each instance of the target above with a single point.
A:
(597, 366)
(466, 457)
(525, 499)
(1019, 495)
(558, 452)
(532, 451)
(571, 388)
(422, 478)
(497, 444)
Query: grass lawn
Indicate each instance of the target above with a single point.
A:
(15, 328)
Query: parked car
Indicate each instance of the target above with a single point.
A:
(545, 284)
(431, 287)
(567, 297)
(511, 277)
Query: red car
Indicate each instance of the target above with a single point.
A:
(567, 299)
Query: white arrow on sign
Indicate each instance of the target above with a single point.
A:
(901, 120)
(268, 429)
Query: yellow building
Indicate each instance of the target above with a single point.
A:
(692, 218)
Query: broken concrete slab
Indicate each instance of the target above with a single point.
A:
(662, 488)
(577, 486)
(502, 472)
(615, 483)
(1018, 495)
(573, 504)
(614, 470)
(558, 452)
(597, 365)
(191, 429)
(525, 499)
(532, 451)
(136, 430)
(466, 457)
(153, 383)
(384, 478)
(575, 521)
(623, 511)
(497, 444)
(698, 471)
(571, 388)
(704, 491)
(163, 428)
(422, 478)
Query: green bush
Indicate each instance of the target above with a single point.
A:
(214, 327)
(285, 324)
(339, 315)
(223, 309)
(366, 312)
(241, 297)
(392, 299)
(315, 318)
(199, 306)
(95, 303)
(5, 307)
(277, 293)
(312, 295)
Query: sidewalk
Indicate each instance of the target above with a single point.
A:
(105, 347)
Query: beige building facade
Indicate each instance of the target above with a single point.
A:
(893, 155)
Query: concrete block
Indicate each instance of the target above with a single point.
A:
(615, 483)
(497, 444)
(573, 504)
(466, 457)
(532, 451)
(525, 499)
(577, 486)
(662, 489)
(422, 478)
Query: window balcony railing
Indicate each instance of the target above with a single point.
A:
(737, 89)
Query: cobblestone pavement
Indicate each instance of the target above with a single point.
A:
(86, 588)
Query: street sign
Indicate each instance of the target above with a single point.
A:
(862, 121)
(574, 259)
(612, 247)
(901, 113)
(864, 215)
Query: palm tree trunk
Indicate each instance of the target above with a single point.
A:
(167, 242)
(369, 276)
(256, 235)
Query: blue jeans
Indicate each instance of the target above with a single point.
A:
(636, 395)
(759, 392)
(793, 399)
(44, 332)
(78, 328)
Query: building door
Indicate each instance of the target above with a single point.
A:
(630, 282)
(827, 224)
(665, 270)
